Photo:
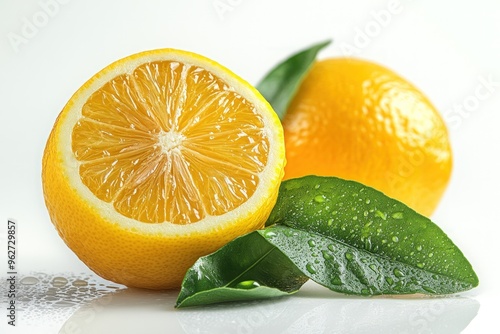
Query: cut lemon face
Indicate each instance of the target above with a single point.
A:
(160, 158)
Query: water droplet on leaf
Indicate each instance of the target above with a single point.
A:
(428, 289)
(319, 199)
(381, 214)
(398, 273)
(336, 280)
(397, 215)
(310, 268)
(326, 255)
(250, 284)
(269, 234)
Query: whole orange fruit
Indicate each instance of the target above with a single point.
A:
(358, 120)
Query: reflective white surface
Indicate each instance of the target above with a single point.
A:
(82, 303)
(49, 48)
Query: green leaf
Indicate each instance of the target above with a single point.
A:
(343, 235)
(247, 268)
(381, 230)
(281, 83)
(347, 269)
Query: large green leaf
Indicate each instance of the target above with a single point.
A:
(343, 235)
(347, 269)
(281, 83)
(368, 220)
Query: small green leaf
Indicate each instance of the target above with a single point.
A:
(281, 83)
(373, 223)
(225, 294)
(247, 268)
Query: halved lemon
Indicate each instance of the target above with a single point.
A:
(160, 158)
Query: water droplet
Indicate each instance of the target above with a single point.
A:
(330, 222)
(310, 268)
(331, 248)
(326, 255)
(373, 267)
(334, 212)
(365, 213)
(367, 201)
(381, 214)
(250, 284)
(336, 280)
(64, 303)
(420, 265)
(419, 248)
(431, 254)
(80, 282)
(317, 186)
(319, 199)
(311, 243)
(59, 282)
(368, 243)
(398, 273)
(384, 241)
(429, 289)
(30, 280)
(51, 298)
(355, 218)
(379, 230)
(270, 234)
(395, 238)
(397, 215)
(389, 280)
(349, 256)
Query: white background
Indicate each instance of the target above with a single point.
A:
(449, 49)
